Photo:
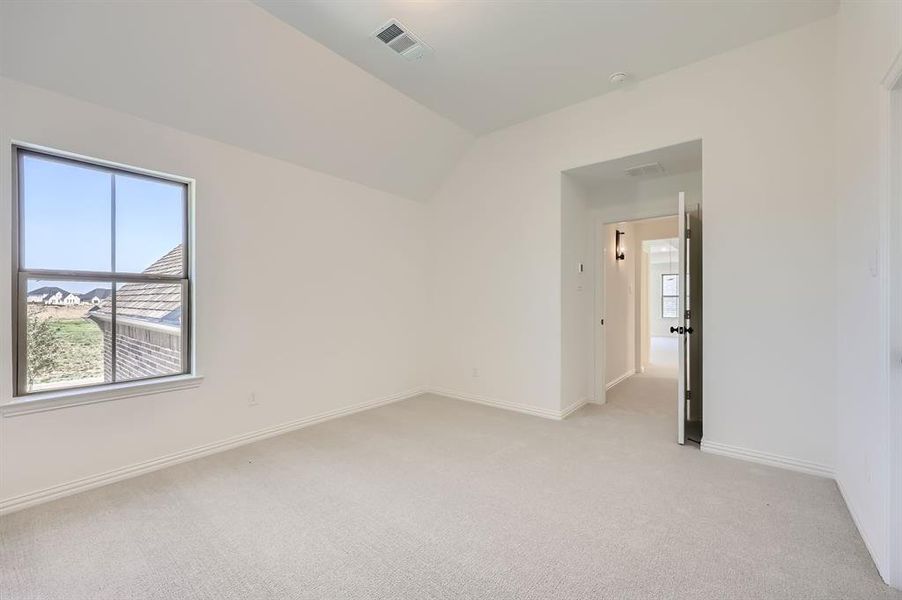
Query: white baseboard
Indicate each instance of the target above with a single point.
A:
(573, 408)
(626, 375)
(875, 556)
(15, 503)
(547, 413)
(764, 458)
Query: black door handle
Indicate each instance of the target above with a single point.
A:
(680, 330)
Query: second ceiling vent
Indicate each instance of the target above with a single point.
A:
(401, 40)
(646, 170)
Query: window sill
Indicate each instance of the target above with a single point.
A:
(45, 401)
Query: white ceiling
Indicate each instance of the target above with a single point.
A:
(498, 63)
(677, 159)
(232, 72)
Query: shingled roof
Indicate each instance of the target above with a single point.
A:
(153, 302)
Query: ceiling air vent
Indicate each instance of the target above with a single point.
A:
(401, 40)
(647, 170)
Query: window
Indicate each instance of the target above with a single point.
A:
(670, 299)
(103, 286)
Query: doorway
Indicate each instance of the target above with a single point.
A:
(644, 265)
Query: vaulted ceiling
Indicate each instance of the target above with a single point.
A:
(259, 79)
(229, 71)
(497, 62)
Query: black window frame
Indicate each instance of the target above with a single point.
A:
(663, 295)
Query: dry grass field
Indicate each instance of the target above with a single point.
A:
(73, 343)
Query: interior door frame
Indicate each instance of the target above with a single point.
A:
(682, 372)
(891, 220)
(599, 257)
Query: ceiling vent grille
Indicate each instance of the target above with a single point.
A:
(646, 170)
(401, 40)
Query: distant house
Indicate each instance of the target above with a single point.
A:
(55, 298)
(47, 295)
(71, 300)
(96, 296)
(148, 324)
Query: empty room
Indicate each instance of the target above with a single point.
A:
(451, 299)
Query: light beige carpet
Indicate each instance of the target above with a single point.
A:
(437, 498)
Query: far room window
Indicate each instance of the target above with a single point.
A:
(103, 288)
(670, 290)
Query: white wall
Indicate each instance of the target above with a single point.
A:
(870, 36)
(577, 295)
(619, 303)
(231, 71)
(349, 327)
(765, 115)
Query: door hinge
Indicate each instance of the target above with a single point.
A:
(688, 234)
(688, 394)
(687, 314)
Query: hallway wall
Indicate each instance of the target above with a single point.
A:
(619, 303)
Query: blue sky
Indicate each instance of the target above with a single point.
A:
(67, 220)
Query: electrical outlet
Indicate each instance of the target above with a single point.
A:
(252, 400)
(475, 373)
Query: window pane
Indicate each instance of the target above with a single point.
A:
(150, 224)
(148, 330)
(64, 340)
(670, 285)
(670, 307)
(66, 215)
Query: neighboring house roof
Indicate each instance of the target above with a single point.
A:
(47, 291)
(168, 264)
(101, 293)
(153, 302)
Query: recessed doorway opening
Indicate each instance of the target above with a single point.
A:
(632, 313)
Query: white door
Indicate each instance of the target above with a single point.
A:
(681, 323)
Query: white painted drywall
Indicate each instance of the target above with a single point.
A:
(347, 327)
(233, 72)
(869, 37)
(765, 115)
(619, 303)
(577, 294)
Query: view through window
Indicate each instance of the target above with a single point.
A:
(670, 300)
(102, 274)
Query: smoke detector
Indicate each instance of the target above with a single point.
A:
(645, 170)
(618, 78)
(400, 39)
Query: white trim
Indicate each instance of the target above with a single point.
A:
(15, 503)
(894, 74)
(547, 413)
(55, 400)
(766, 458)
(620, 379)
(891, 230)
(566, 412)
(876, 557)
